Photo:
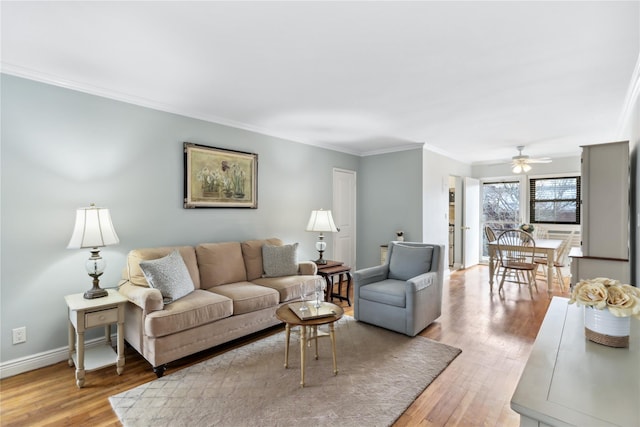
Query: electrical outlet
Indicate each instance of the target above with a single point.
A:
(20, 335)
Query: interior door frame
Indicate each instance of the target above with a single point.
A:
(337, 207)
(471, 224)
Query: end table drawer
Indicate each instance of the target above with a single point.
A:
(100, 318)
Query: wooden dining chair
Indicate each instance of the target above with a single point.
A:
(516, 250)
(561, 260)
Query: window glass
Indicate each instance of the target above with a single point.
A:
(500, 208)
(555, 200)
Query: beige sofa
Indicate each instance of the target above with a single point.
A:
(231, 299)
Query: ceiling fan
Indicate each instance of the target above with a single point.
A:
(521, 163)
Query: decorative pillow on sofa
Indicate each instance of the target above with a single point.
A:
(279, 260)
(408, 262)
(169, 275)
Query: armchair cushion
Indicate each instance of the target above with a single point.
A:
(388, 292)
(409, 261)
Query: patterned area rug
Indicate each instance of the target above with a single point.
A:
(380, 375)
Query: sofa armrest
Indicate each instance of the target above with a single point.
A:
(307, 268)
(148, 299)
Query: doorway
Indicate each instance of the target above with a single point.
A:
(464, 222)
(344, 216)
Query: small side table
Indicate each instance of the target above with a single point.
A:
(90, 313)
(329, 271)
(309, 330)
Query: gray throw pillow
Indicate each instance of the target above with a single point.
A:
(408, 262)
(169, 275)
(279, 260)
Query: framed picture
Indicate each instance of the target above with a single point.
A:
(219, 178)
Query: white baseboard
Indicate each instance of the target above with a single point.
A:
(46, 358)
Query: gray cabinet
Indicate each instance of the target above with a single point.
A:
(604, 213)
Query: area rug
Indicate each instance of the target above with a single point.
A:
(380, 375)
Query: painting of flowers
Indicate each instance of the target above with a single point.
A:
(219, 178)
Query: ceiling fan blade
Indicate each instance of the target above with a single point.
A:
(540, 160)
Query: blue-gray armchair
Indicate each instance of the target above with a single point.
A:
(405, 293)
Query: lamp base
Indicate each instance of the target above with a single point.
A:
(320, 260)
(95, 293)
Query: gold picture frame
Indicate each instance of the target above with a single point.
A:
(219, 178)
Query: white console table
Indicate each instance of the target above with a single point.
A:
(570, 381)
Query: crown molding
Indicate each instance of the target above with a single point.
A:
(30, 74)
(53, 80)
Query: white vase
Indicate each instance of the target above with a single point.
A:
(604, 328)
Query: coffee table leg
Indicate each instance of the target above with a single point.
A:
(287, 329)
(303, 347)
(315, 338)
(332, 334)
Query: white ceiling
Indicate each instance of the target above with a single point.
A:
(471, 80)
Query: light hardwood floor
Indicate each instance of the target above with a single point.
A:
(495, 335)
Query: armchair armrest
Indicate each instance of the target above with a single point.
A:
(307, 268)
(148, 299)
(370, 275)
(423, 281)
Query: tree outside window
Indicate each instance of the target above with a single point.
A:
(500, 207)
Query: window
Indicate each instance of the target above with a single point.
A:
(500, 207)
(554, 200)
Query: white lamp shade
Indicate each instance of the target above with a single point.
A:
(93, 229)
(321, 221)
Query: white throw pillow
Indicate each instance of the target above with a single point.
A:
(279, 260)
(169, 275)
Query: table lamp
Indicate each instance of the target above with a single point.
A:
(93, 229)
(321, 221)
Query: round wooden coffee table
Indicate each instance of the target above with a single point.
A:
(309, 330)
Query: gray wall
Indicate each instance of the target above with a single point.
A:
(63, 149)
(407, 190)
(435, 216)
(389, 199)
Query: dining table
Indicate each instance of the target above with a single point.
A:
(545, 247)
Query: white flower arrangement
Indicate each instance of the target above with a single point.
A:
(602, 293)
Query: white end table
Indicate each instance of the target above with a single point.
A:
(91, 313)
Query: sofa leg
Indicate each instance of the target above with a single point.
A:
(159, 370)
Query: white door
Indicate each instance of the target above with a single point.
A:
(344, 215)
(471, 223)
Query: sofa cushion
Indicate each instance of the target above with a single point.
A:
(409, 261)
(252, 254)
(247, 297)
(198, 308)
(280, 261)
(169, 275)
(134, 274)
(287, 286)
(220, 263)
(387, 292)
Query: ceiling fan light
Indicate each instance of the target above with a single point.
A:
(516, 169)
(526, 167)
